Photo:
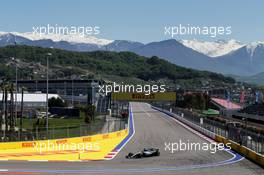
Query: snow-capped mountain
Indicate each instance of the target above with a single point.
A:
(89, 43)
(251, 48)
(229, 57)
(175, 52)
(245, 61)
(213, 48)
(60, 37)
(10, 39)
(123, 45)
(66, 42)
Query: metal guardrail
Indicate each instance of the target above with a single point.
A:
(250, 116)
(244, 137)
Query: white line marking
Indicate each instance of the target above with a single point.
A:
(134, 130)
(38, 160)
(3, 170)
(194, 131)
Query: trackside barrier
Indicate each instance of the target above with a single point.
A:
(94, 138)
(96, 147)
(188, 123)
(246, 152)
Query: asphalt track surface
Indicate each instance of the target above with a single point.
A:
(152, 129)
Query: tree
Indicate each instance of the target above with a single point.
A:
(8, 108)
(22, 111)
(88, 110)
(56, 102)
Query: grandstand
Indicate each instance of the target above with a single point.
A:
(255, 109)
(226, 104)
(253, 112)
(102, 105)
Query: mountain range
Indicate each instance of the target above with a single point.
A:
(121, 67)
(226, 57)
(257, 79)
(213, 49)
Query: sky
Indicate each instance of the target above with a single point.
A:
(137, 20)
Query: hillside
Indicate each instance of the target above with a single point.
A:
(257, 79)
(222, 56)
(122, 66)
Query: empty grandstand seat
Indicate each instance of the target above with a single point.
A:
(255, 109)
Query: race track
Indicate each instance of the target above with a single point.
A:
(152, 129)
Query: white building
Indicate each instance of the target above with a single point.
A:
(31, 99)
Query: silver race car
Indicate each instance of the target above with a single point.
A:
(146, 152)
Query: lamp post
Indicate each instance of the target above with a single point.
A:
(16, 89)
(72, 92)
(16, 95)
(14, 59)
(47, 96)
(246, 133)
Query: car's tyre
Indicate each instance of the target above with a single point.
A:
(129, 155)
(158, 153)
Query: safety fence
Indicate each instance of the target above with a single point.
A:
(249, 139)
(238, 147)
(70, 130)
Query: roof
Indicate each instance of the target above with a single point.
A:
(31, 97)
(226, 103)
(210, 112)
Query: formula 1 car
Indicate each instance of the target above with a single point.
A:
(147, 152)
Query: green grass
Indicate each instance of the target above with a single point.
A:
(53, 122)
(63, 128)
